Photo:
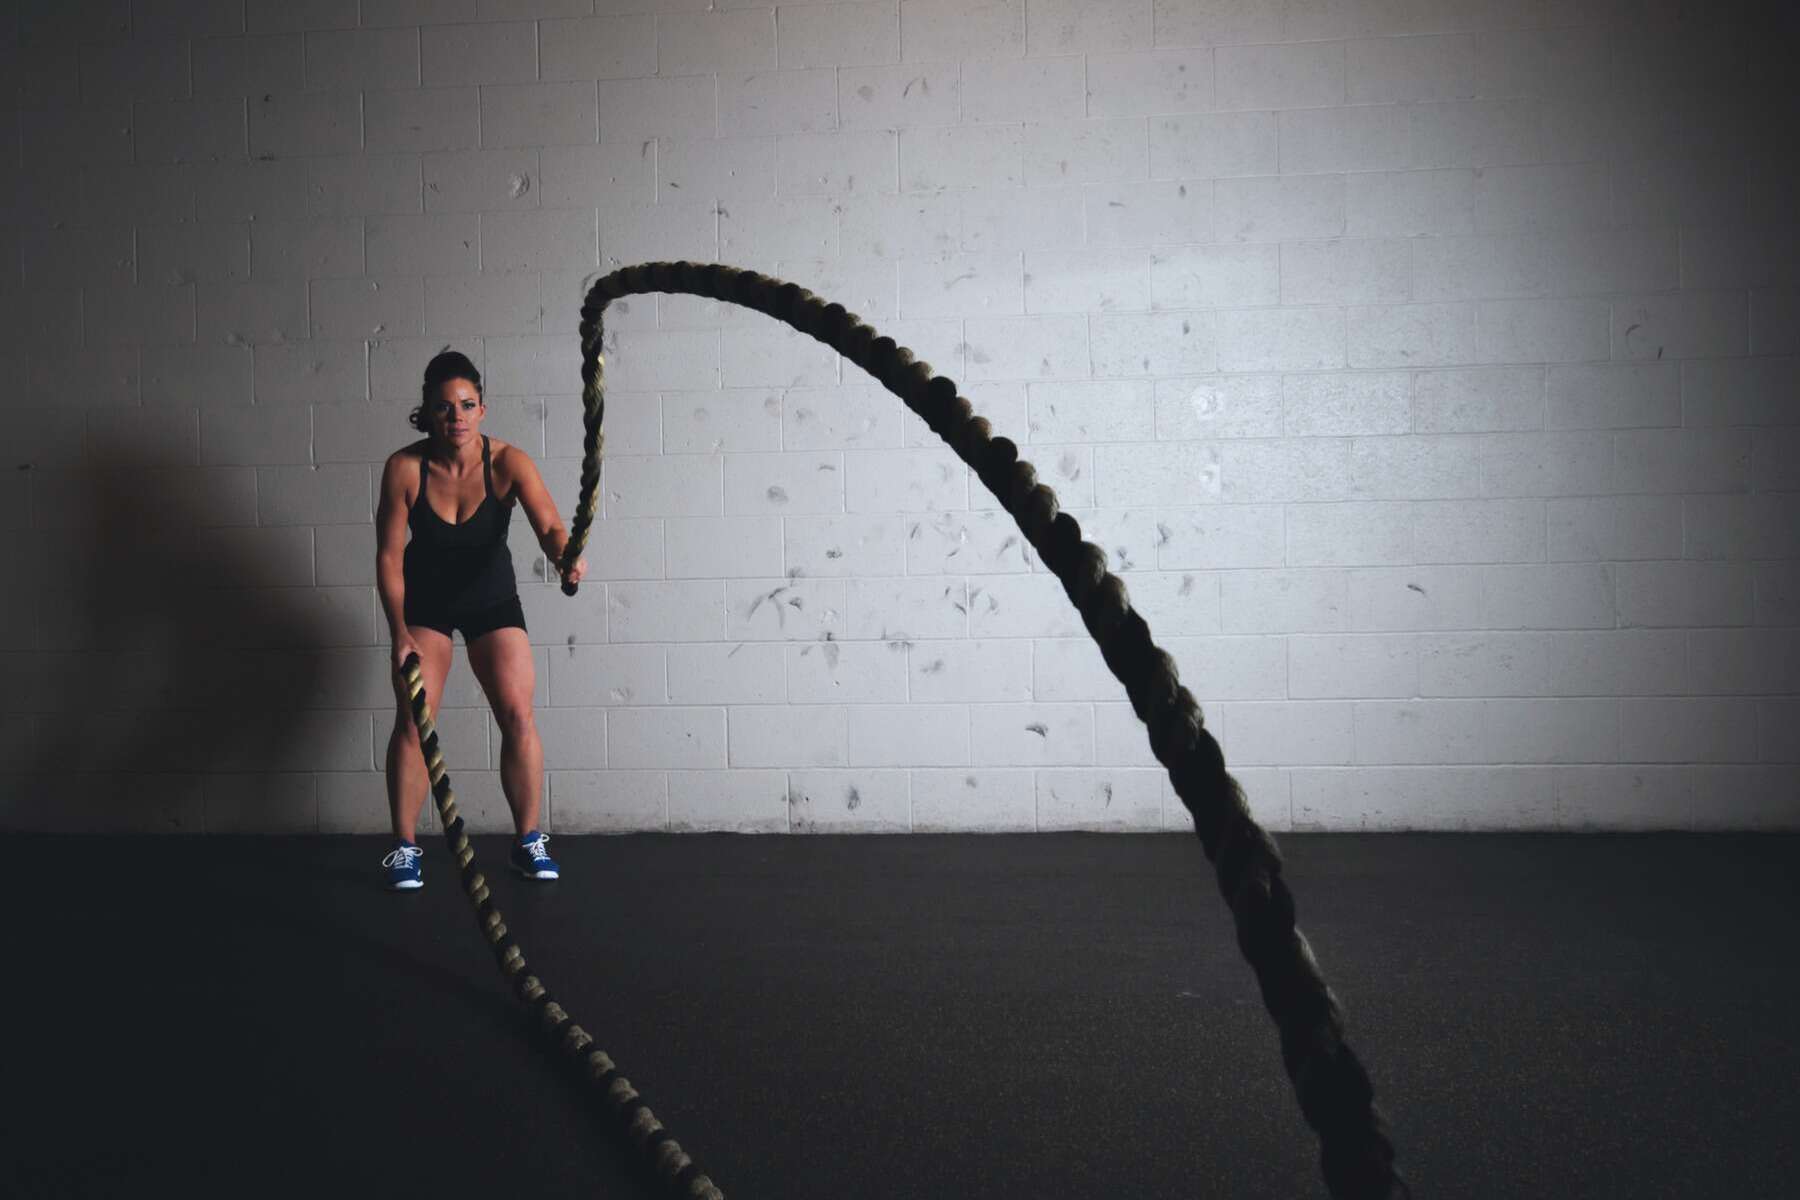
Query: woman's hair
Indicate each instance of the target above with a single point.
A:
(451, 364)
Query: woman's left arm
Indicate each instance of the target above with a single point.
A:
(540, 511)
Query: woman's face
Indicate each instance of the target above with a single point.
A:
(455, 415)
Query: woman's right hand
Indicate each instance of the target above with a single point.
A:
(403, 646)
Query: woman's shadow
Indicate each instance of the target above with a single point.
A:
(183, 672)
(183, 667)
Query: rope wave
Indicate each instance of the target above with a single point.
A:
(1336, 1097)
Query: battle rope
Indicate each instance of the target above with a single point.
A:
(666, 1155)
(1335, 1095)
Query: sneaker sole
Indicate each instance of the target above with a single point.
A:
(522, 873)
(408, 886)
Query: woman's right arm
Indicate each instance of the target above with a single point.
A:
(390, 551)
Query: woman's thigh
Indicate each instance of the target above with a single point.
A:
(502, 662)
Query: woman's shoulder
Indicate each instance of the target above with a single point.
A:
(508, 461)
(408, 457)
(506, 455)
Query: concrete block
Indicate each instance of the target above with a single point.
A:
(1214, 145)
(1281, 339)
(635, 111)
(702, 43)
(490, 52)
(1302, 75)
(725, 171)
(1284, 601)
(727, 673)
(602, 47)
(1338, 403)
(283, 125)
(481, 180)
(1136, 84)
(959, 29)
(1614, 528)
(1413, 335)
(539, 239)
(861, 801)
(354, 59)
(1309, 733)
(1086, 152)
(906, 735)
(1410, 69)
(1220, 537)
(1317, 141)
(1358, 666)
(1685, 594)
(1474, 133)
(1409, 203)
(1346, 271)
(1614, 396)
(1477, 531)
(1026, 89)
(971, 800)
(1414, 598)
(419, 120)
(1681, 729)
(900, 97)
(1480, 399)
(1286, 469)
(1279, 208)
(540, 114)
(1349, 534)
(1423, 732)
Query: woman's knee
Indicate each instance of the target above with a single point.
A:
(515, 720)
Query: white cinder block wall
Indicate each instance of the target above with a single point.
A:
(1427, 368)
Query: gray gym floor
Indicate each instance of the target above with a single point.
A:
(1061, 1016)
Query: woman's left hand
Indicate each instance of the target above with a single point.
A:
(576, 571)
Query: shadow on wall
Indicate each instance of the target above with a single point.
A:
(180, 648)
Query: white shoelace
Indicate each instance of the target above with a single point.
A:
(536, 849)
(402, 856)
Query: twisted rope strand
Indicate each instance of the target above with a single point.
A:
(672, 1165)
(1356, 1154)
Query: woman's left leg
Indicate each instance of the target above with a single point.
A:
(502, 663)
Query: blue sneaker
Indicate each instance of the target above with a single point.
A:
(402, 863)
(531, 857)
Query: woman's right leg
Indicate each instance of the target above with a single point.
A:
(408, 782)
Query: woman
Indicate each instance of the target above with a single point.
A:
(457, 573)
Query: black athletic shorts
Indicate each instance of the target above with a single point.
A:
(472, 623)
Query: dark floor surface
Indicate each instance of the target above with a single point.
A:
(1050, 1016)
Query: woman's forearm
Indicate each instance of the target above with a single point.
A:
(390, 581)
(553, 542)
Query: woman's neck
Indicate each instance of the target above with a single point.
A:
(454, 459)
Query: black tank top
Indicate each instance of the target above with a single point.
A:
(448, 566)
